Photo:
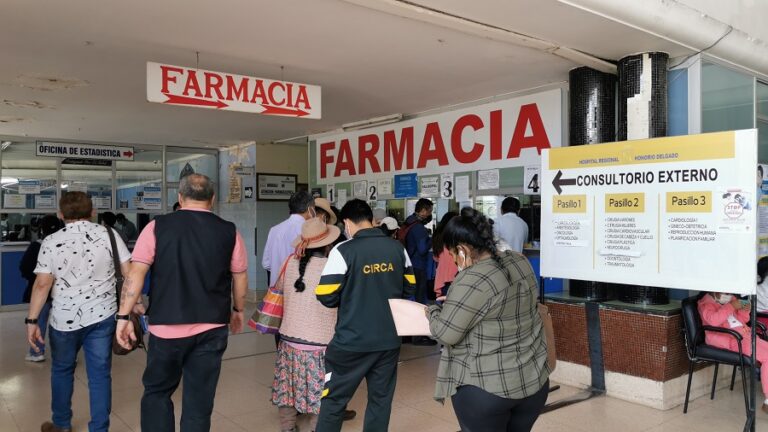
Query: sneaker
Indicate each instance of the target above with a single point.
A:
(424, 341)
(35, 358)
(50, 427)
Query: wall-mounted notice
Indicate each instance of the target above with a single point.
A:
(14, 201)
(45, 202)
(488, 179)
(359, 189)
(447, 187)
(385, 186)
(330, 191)
(101, 202)
(29, 187)
(762, 210)
(674, 212)
(406, 186)
(462, 188)
(275, 187)
(430, 187)
(78, 186)
(83, 151)
(341, 198)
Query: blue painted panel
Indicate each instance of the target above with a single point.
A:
(13, 284)
(551, 285)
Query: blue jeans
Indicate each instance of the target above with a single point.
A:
(42, 322)
(96, 341)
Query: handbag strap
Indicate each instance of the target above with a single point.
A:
(282, 271)
(116, 262)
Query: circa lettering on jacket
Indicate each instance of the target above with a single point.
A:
(378, 268)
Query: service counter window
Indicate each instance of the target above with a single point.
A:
(21, 227)
(28, 181)
(140, 182)
(96, 181)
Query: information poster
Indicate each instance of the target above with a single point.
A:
(430, 187)
(488, 179)
(385, 186)
(14, 201)
(45, 202)
(341, 198)
(29, 187)
(275, 187)
(675, 212)
(762, 210)
(359, 189)
(102, 202)
(406, 186)
(78, 186)
(462, 188)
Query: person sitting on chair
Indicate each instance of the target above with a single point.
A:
(727, 311)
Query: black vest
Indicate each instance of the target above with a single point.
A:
(191, 282)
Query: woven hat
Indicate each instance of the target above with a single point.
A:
(326, 206)
(314, 234)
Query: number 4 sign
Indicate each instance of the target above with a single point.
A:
(446, 186)
(531, 181)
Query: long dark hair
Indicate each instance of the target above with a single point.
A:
(308, 255)
(473, 229)
(437, 237)
(762, 269)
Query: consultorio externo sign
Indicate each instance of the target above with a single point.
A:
(678, 212)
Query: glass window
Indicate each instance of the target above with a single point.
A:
(28, 181)
(20, 226)
(181, 163)
(762, 100)
(727, 99)
(140, 182)
(95, 180)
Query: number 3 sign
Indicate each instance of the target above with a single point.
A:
(446, 186)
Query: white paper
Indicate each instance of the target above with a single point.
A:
(359, 189)
(14, 201)
(385, 186)
(341, 197)
(102, 202)
(78, 186)
(138, 202)
(410, 318)
(29, 187)
(462, 188)
(447, 187)
(430, 187)
(488, 179)
(44, 202)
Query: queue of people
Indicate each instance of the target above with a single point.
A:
(337, 270)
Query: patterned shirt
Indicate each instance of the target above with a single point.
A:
(492, 331)
(80, 259)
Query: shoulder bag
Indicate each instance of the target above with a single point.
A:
(133, 318)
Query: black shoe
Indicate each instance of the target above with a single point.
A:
(424, 341)
(349, 415)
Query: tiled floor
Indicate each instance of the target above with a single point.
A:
(242, 402)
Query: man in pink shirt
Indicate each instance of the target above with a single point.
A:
(198, 286)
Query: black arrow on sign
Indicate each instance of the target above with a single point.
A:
(560, 181)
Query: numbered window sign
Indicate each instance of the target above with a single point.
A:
(446, 186)
(331, 193)
(373, 193)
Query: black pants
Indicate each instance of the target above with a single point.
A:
(196, 358)
(421, 285)
(480, 411)
(344, 372)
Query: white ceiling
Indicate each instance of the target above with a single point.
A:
(368, 63)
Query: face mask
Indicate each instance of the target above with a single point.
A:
(427, 220)
(346, 232)
(725, 298)
(464, 259)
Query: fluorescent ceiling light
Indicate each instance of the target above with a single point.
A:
(376, 121)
